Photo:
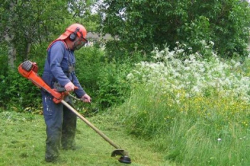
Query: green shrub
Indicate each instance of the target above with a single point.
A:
(3, 61)
(18, 93)
(113, 87)
(103, 80)
(89, 62)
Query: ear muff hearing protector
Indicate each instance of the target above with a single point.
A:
(73, 35)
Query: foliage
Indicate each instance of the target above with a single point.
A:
(113, 88)
(38, 25)
(18, 93)
(144, 24)
(195, 110)
(194, 72)
(103, 80)
(81, 12)
(3, 60)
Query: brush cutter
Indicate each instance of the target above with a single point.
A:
(29, 70)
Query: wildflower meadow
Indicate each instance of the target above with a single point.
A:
(192, 107)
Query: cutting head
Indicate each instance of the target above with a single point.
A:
(124, 156)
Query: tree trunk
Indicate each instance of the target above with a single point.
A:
(8, 36)
(11, 56)
(28, 46)
(11, 51)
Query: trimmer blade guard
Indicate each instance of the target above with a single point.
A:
(124, 156)
(118, 152)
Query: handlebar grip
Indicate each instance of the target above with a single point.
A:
(62, 89)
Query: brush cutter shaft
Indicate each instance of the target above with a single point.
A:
(89, 124)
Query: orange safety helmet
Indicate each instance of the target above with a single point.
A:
(73, 31)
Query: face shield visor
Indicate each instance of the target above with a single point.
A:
(79, 43)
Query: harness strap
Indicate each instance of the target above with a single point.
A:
(56, 41)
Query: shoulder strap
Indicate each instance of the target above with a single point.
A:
(56, 41)
(48, 49)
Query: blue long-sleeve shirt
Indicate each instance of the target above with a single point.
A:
(56, 69)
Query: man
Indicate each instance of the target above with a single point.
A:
(59, 71)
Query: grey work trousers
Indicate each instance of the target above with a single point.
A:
(60, 127)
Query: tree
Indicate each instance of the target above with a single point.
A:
(144, 24)
(82, 12)
(26, 22)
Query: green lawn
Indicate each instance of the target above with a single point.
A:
(23, 137)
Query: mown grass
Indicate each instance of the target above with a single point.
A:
(23, 137)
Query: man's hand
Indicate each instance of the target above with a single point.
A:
(69, 86)
(86, 98)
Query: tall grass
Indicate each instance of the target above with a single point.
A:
(194, 110)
